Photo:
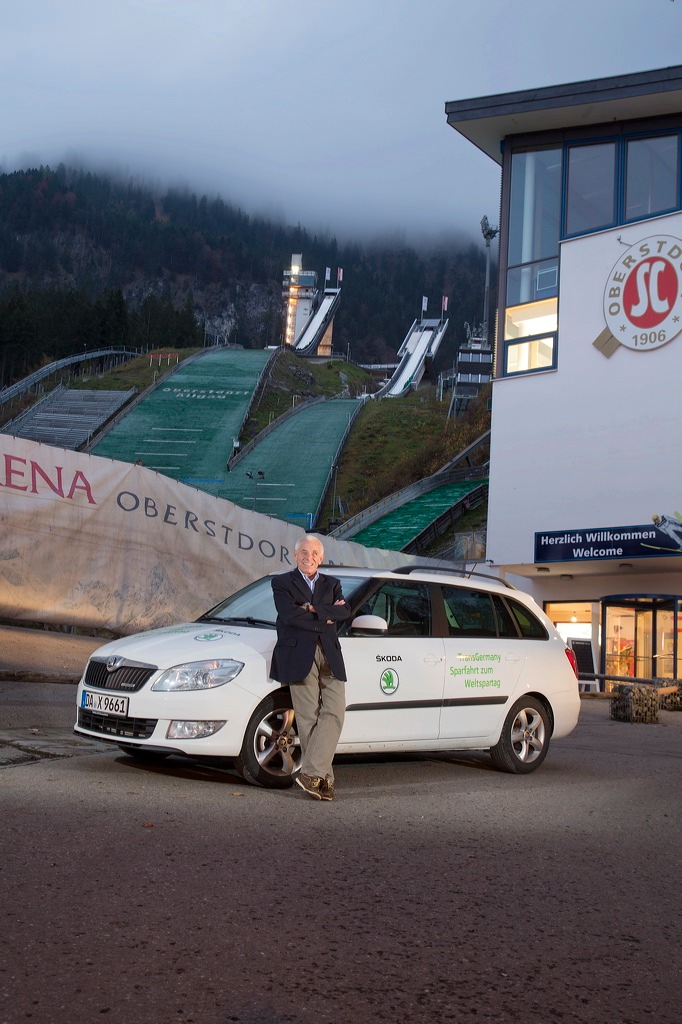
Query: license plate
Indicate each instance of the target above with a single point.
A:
(104, 703)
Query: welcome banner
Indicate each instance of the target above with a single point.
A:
(88, 541)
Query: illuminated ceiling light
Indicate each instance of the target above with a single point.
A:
(542, 568)
(574, 617)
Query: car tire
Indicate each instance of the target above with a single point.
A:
(271, 751)
(524, 740)
(140, 754)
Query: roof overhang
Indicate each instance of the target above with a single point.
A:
(488, 120)
(624, 569)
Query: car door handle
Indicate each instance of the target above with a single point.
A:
(433, 659)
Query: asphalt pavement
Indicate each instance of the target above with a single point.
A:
(432, 889)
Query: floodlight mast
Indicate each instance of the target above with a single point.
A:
(488, 234)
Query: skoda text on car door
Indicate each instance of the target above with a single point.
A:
(395, 680)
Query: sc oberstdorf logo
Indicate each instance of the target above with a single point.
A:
(643, 294)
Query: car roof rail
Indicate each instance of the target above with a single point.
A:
(342, 565)
(405, 570)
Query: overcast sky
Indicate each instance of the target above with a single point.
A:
(327, 114)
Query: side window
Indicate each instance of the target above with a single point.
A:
(505, 623)
(468, 612)
(405, 606)
(531, 628)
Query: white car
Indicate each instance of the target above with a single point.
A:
(435, 660)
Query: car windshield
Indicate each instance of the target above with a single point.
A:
(255, 604)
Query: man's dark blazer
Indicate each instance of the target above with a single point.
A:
(299, 630)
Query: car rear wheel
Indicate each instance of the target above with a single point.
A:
(524, 740)
(271, 751)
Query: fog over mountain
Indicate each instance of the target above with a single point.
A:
(331, 116)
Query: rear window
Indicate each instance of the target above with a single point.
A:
(531, 627)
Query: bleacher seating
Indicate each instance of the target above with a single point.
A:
(67, 418)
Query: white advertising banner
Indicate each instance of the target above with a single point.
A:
(87, 541)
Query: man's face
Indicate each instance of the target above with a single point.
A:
(308, 557)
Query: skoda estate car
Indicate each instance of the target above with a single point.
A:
(436, 661)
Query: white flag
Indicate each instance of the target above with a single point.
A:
(327, 273)
(425, 303)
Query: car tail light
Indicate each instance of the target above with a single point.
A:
(570, 654)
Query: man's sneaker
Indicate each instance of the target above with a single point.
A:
(311, 784)
(326, 789)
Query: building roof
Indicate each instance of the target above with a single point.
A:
(487, 120)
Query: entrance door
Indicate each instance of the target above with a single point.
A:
(640, 637)
(664, 652)
(619, 634)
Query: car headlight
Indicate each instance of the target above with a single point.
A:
(199, 675)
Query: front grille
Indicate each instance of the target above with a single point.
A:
(127, 678)
(113, 725)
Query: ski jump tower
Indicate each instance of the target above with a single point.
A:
(308, 314)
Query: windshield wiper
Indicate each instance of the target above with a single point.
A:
(237, 618)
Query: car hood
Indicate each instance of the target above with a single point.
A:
(190, 641)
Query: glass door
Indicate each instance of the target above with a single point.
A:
(640, 637)
(664, 655)
(643, 647)
(619, 634)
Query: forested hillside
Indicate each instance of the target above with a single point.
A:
(88, 260)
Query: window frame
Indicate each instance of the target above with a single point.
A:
(643, 136)
(569, 145)
(512, 342)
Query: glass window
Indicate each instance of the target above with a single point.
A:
(468, 612)
(651, 176)
(530, 319)
(505, 623)
(531, 628)
(535, 206)
(256, 601)
(591, 187)
(532, 282)
(524, 356)
(406, 607)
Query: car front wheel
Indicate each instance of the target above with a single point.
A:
(524, 740)
(271, 750)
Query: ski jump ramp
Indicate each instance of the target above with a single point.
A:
(307, 342)
(419, 347)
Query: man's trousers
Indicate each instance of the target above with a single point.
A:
(320, 704)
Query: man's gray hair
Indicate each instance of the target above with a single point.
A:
(309, 536)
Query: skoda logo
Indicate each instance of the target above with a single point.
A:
(389, 681)
(113, 663)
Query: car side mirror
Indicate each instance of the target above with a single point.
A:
(368, 625)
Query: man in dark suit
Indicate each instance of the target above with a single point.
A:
(308, 657)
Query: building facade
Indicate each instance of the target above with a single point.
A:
(585, 481)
